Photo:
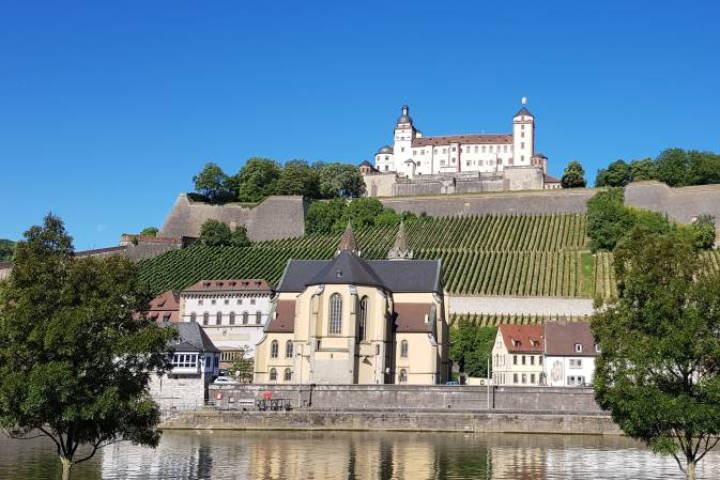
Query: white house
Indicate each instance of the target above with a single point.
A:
(517, 355)
(570, 352)
(232, 312)
(195, 365)
(413, 154)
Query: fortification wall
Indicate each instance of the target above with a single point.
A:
(501, 305)
(680, 204)
(540, 202)
(274, 218)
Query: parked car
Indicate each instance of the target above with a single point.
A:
(452, 382)
(225, 381)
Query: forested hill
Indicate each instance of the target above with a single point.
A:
(6, 249)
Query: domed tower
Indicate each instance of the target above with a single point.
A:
(523, 135)
(404, 135)
(384, 159)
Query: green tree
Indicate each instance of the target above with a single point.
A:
(658, 372)
(361, 212)
(75, 362)
(239, 237)
(242, 366)
(608, 219)
(149, 232)
(298, 178)
(703, 230)
(671, 167)
(616, 175)
(703, 168)
(211, 182)
(323, 216)
(7, 247)
(574, 176)
(471, 346)
(214, 233)
(642, 170)
(256, 180)
(341, 180)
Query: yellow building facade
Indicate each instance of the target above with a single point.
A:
(352, 321)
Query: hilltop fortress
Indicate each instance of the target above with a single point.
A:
(419, 165)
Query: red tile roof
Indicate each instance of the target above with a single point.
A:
(411, 317)
(561, 338)
(523, 338)
(165, 307)
(551, 179)
(463, 139)
(284, 321)
(255, 285)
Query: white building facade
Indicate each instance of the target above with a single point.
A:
(232, 312)
(570, 352)
(412, 154)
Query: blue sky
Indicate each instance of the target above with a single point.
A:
(107, 109)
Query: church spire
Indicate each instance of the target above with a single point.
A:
(400, 250)
(347, 241)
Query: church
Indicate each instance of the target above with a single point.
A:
(353, 321)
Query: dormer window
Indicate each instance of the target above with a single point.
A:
(206, 284)
(578, 347)
(338, 273)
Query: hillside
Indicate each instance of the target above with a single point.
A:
(529, 255)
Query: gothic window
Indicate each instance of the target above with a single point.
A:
(206, 318)
(404, 349)
(232, 318)
(274, 349)
(193, 317)
(273, 375)
(289, 349)
(402, 378)
(335, 314)
(288, 375)
(362, 319)
(246, 317)
(218, 318)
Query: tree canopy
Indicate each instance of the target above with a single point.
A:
(214, 233)
(212, 182)
(7, 247)
(471, 347)
(332, 216)
(256, 180)
(239, 237)
(574, 176)
(298, 178)
(658, 372)
(75, 359)
(341, 180)
(149, 232)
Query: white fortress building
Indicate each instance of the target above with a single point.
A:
(471, 157)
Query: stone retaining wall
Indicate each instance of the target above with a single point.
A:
(414, 397)
(680, 204)
(439, 421)
(500, 305)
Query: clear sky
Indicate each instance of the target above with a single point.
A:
(107, 109)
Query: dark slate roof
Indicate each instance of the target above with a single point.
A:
(192, 338)
(346, 268)
(524, 111)
(405, 276)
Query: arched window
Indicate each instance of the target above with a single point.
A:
(402, 378)
(362, 319)
(246, 317)
(274, 349)
(288, 375)
(273, 375)
(193, 317)
(289, 349)
(335, 314)
(206, 318)
(232, 318)
(404, 349)
(218, 318)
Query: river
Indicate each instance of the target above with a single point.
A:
(356, 455)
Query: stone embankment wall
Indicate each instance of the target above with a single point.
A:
(420, 421)
(274, 218)
(415, 397)
(551, 306)
(680, 204)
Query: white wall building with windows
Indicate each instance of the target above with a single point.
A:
(570, 352)
(232, 312)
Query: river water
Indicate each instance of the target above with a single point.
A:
(356, 455)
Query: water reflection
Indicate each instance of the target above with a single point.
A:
(357, 456)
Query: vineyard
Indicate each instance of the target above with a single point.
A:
(483, 255)
(489, 320)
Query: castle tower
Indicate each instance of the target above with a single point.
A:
(523, 135)
(400, 250)
(404, 136)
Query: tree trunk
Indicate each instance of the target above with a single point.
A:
(66, 467)
(690, 471)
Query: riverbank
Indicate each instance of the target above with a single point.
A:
(395, 421)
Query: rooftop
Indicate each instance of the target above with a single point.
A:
(254, 285)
